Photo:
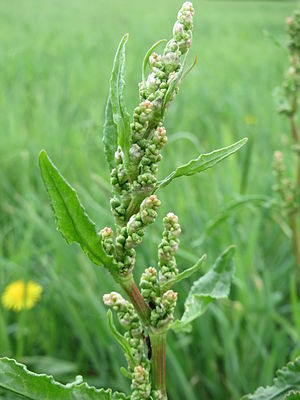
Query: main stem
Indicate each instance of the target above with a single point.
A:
(158, 345)
(295, 240)
(141, 307)
(293, 219)
(295, 136)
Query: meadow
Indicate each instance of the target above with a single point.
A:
(55, 60)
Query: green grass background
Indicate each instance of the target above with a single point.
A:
(55, 62)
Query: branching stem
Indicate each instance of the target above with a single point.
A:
(141, 307)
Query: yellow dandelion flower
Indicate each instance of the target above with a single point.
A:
(20, 294)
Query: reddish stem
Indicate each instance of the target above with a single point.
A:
(141, 307)
(158, 345)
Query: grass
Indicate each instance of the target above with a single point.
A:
(55, 60)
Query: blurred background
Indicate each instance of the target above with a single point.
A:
(55, 62)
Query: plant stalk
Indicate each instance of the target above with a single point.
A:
(295, 240)
(141, 307)
(158, 345)
(295, 136)
(293, 218)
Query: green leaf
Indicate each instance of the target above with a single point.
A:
(110, 135)
(185, 274)
(120, 115)
(72, 220)
(189, 69)
(118, 337)
(202, 163)
(147, 56)
(287, 380)
(16, 378)
(175, 82)
(214, 285)
(293, 396)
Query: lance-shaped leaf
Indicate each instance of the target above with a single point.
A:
(120, 115)
(110, 135)
(16, 378)
(184, 274)
(286, 382)
(118, 337)
(214, 285)
(147, 56)
(72, 220)
(202, 163)
(173, 84)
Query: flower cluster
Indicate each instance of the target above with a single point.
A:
(131, 235)
(287, 95)
(284, 186)
(134, 330)
(148, 135)
(134, 207)
(141, 387)
(168, 247)
(107, 236)
(162, 303)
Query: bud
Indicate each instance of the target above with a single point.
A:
(114, 299)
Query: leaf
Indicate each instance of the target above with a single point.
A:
(110, 135)
(287, 380)
(214, 285)
(16, 378)
(187, 71)
(173, 84)
(147, 56)
(118, 337)
(293, 396)
(119, 112)
(71, 218)
(202, 163)
(185, 274)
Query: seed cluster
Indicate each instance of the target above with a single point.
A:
(139, 367)
(148, 135)
(284, 187)
(162, 302)
(288, 94)
(135, 207)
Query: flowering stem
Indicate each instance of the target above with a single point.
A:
(158, 345)
(293, 219)
(295, 240)
(295, 136)
(129, 286)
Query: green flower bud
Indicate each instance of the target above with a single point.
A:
(140, 386)
(107, 235)
(149, 284)
(284, 187)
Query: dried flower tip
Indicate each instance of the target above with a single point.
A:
(154, 59)
(188, 6)
(289, 21)
(146, 105)
(169, 299)
(107, 232)
(278, 155)
(113, 298)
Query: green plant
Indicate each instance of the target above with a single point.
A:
(133, 151)
(287, 97)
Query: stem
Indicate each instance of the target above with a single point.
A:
(141, 307)
(295, 241)
(293, 218)
(295, 136)
(158, 344)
